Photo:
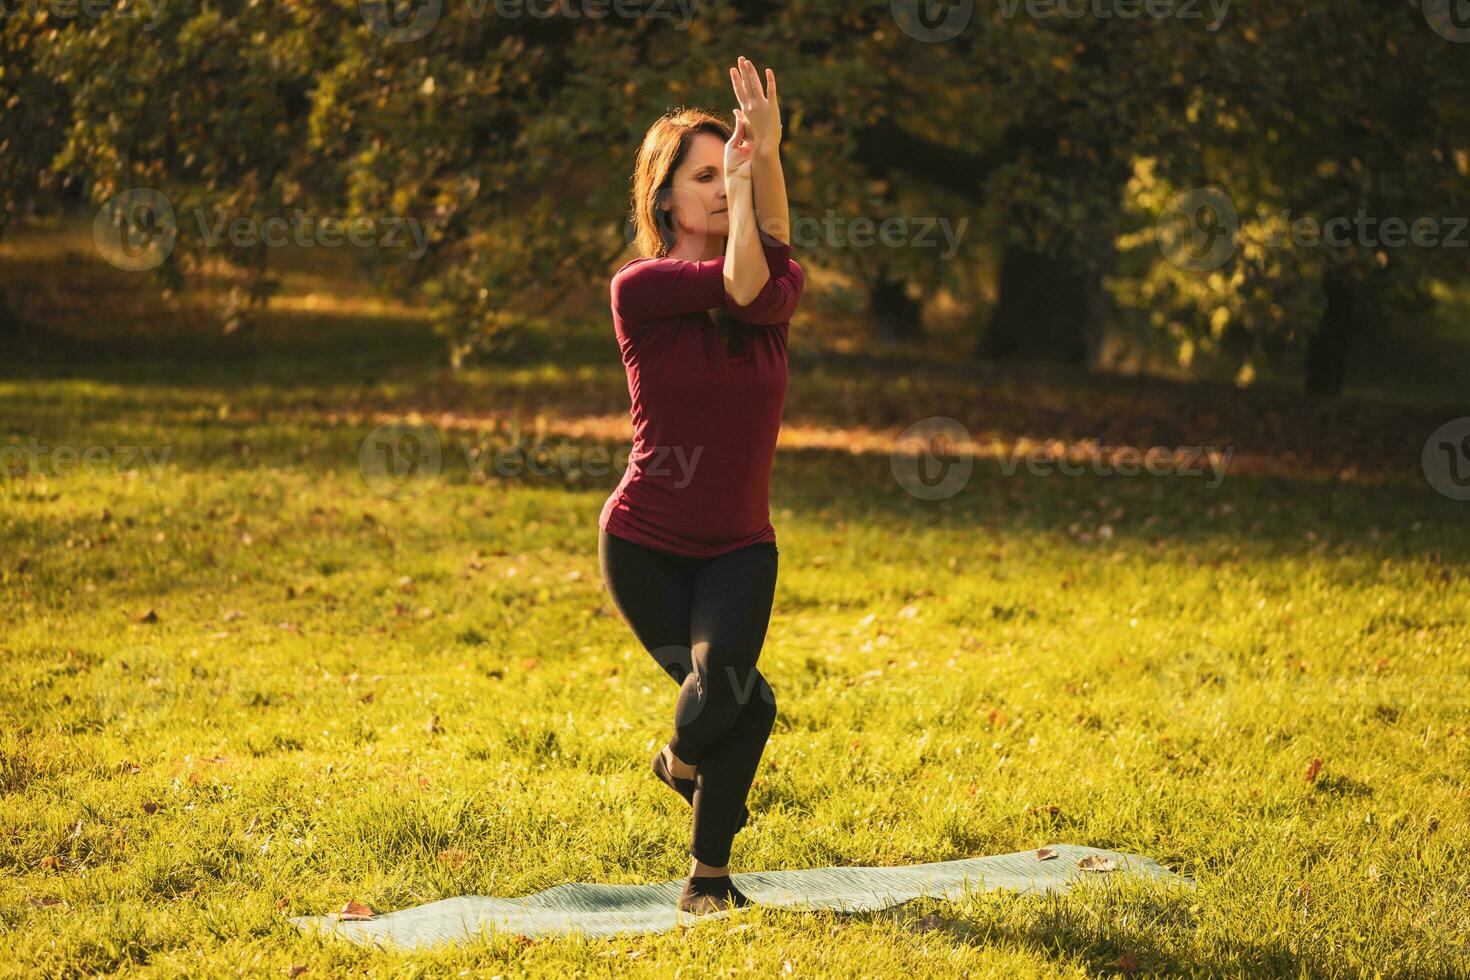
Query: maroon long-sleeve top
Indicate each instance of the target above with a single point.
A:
(705, 418)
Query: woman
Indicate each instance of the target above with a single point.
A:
(686, 547)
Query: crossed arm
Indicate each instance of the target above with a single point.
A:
(746, 273)
(757, 264)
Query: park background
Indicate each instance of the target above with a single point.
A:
(247, 678)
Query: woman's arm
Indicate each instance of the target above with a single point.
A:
(770, 194)
(759, 119)
(765, 258)
(746, 270)
(651, 289)
(777, 299)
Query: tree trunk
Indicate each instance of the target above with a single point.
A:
(9, 323)
(895, 317)
(1049, 308)
(1351, 307)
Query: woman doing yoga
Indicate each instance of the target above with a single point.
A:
(685, 546)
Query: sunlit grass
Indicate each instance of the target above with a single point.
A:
(344, 696)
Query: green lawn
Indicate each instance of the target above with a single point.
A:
(1264, 684)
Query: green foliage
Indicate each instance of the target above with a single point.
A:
(511, 140)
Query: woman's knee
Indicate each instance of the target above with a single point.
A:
(764, 703)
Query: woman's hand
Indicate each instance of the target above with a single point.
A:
(760, 108)
(738, 150)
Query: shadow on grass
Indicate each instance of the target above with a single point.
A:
(1233, 519)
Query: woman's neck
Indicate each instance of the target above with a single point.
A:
(684, 248)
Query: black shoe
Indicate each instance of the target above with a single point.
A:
(685, 787)
(703, 895)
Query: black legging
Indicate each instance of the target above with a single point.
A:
(704, 621)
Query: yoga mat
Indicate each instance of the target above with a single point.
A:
(606, 910)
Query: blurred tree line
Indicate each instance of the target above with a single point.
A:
(1110, 168)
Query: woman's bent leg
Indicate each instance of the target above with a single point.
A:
(726, 708)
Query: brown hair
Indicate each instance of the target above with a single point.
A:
(664, 147)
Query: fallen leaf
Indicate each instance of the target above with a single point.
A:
(1313, 768)
(150, 807)
(353, 911)
(148, 617)
(1045, 853)
(1096, 862)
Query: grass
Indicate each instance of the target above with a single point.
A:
(340, 695)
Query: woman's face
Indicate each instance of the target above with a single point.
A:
(699, 189)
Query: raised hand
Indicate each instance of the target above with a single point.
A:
(760, 107)
(738, 149)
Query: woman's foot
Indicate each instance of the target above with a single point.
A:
(663, 762)
(711, 893)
